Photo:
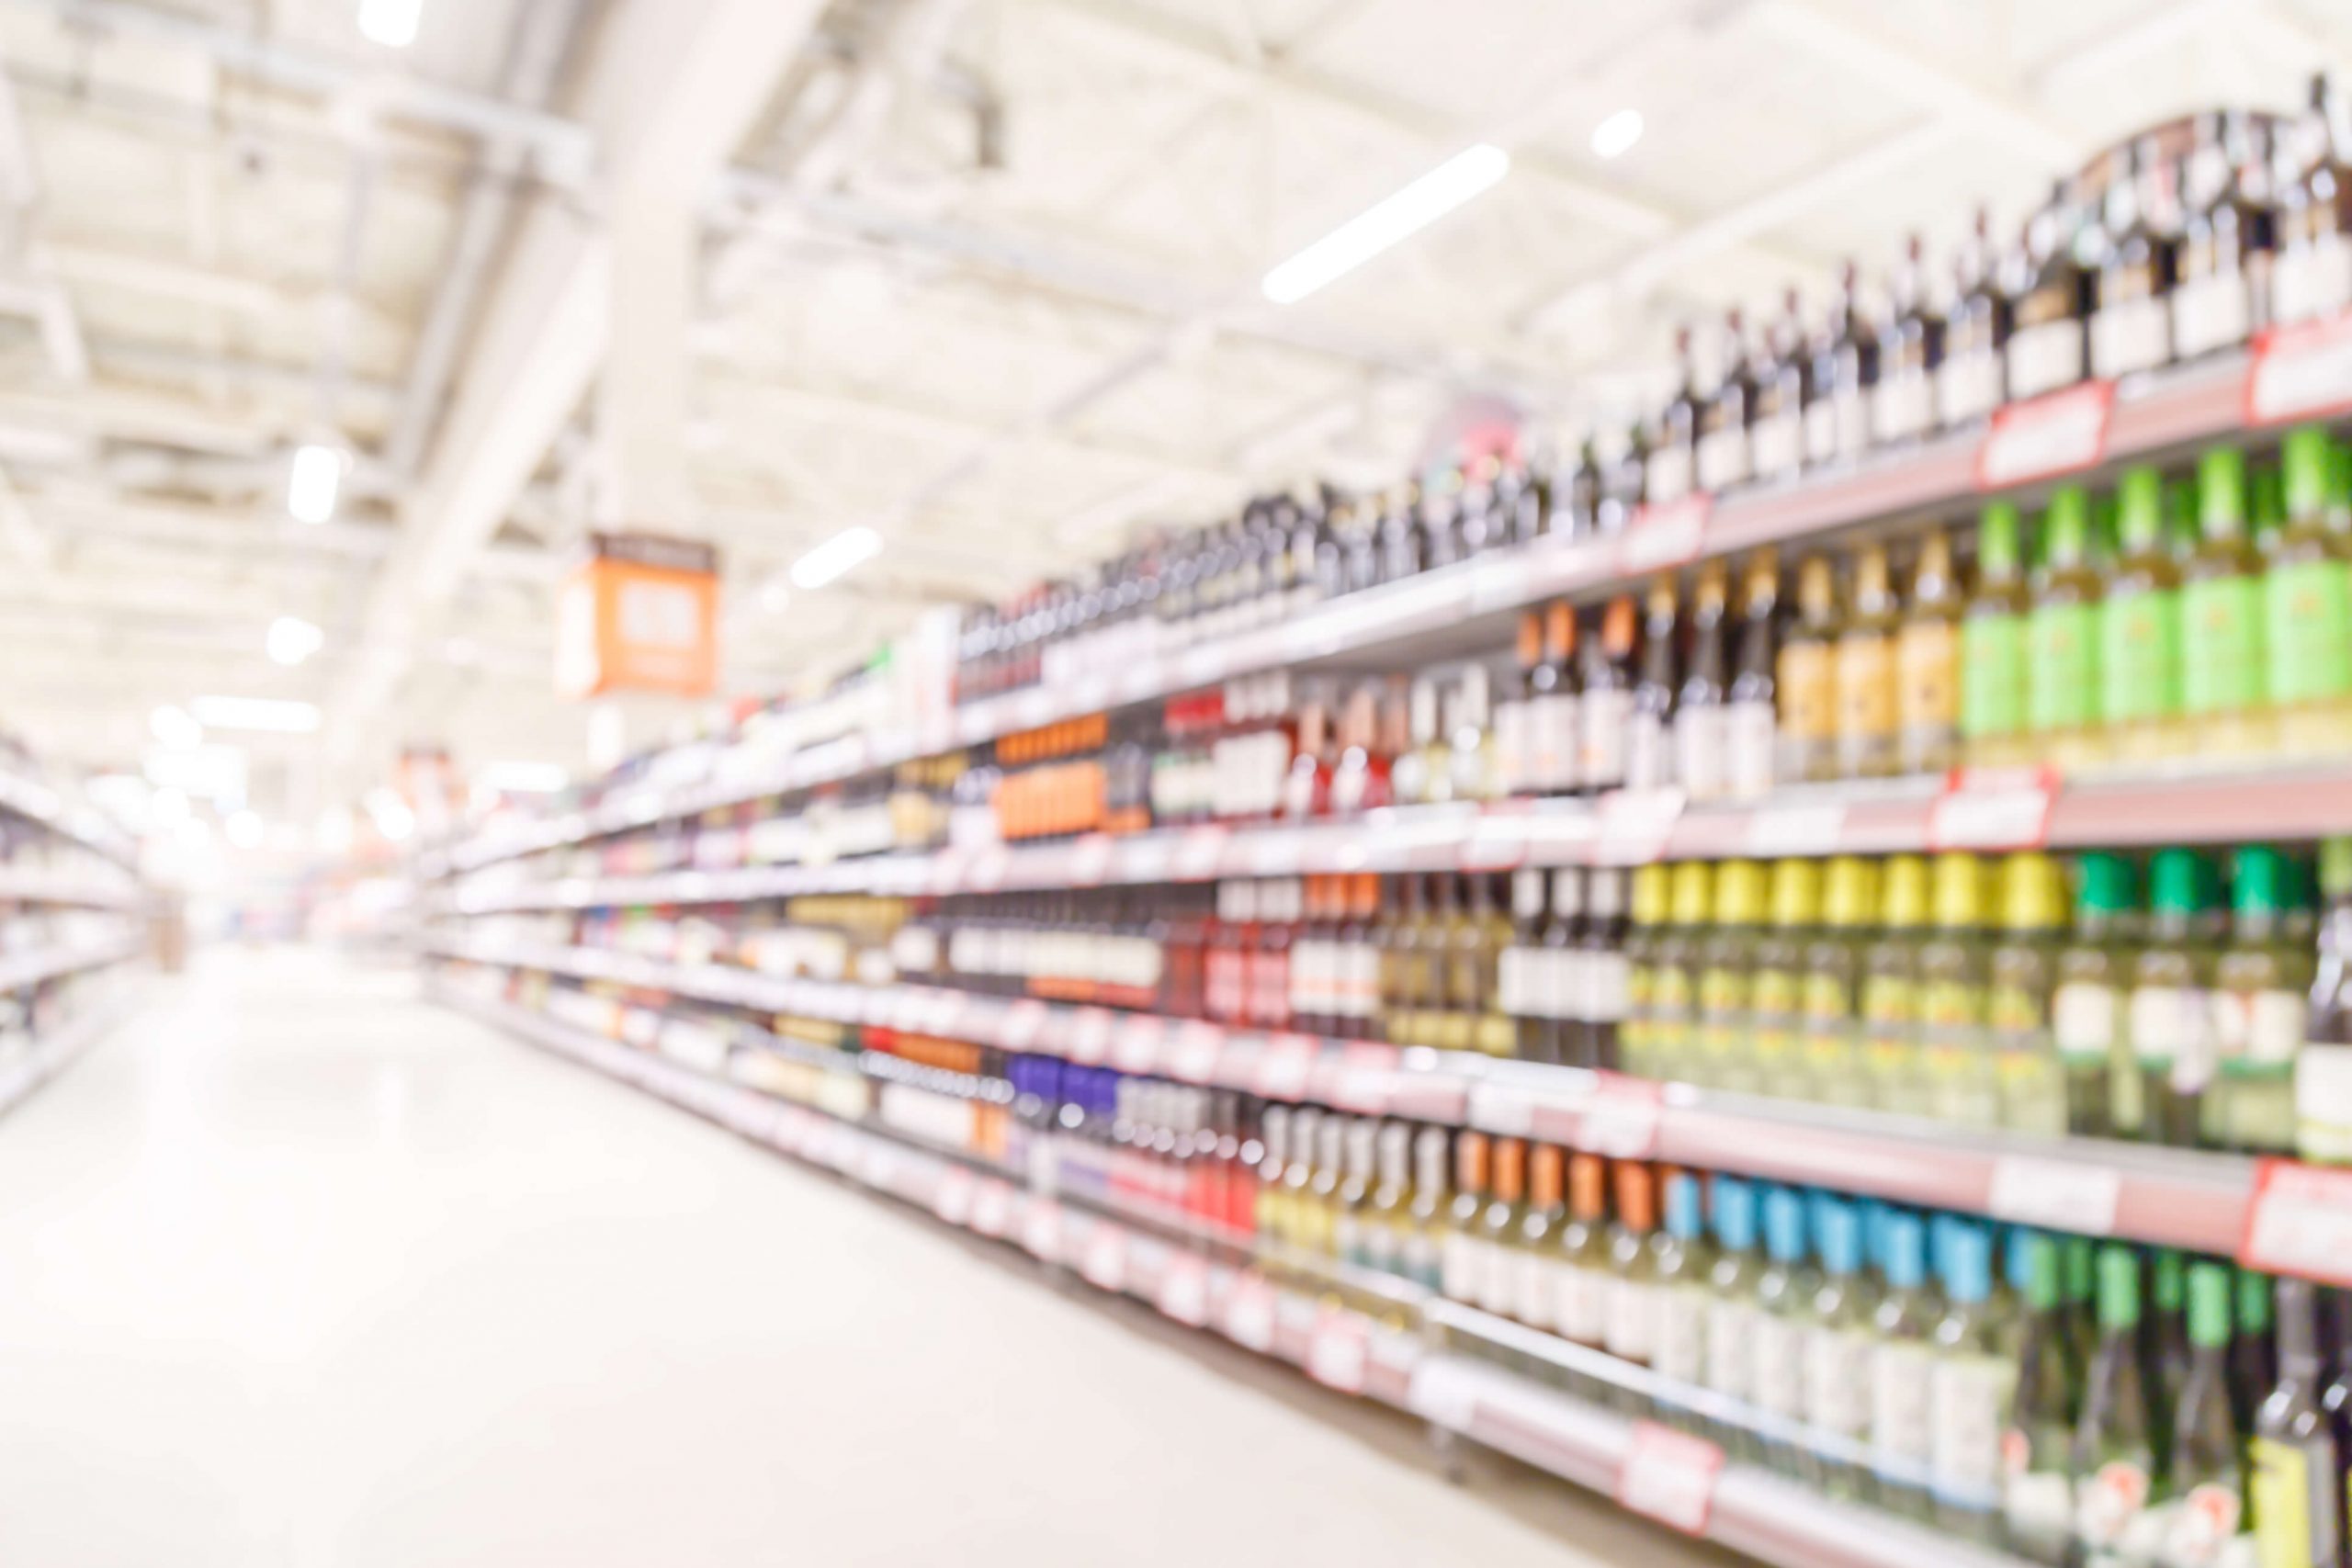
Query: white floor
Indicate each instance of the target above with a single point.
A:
(298, 1272)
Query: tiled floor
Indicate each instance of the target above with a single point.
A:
(297, 1271)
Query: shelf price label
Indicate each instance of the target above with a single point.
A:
(992, 1208)
(1776, 833)
(1663, 537)
(2299, 1223)
(2300, 372)
(1497, 841)
(1185, 1289)
(2055, 1194)
(1670, 1476)
(1089, 860)
(951, 1199)
(2045, 436)
(1620, 1119)
(989, 868)
(1993, 809)
(1041, 1230)
(1285, 1064)
(1193, 1054)
(1505, 1110)
(1339, 1350)
(1248, 1316)
(1104, 1262)
(1200, 854)
(1089, 1041)
(1023, 1025)
(1135, 1046)
(1633, 825)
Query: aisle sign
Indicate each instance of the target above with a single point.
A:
(639, 615)
(2045, 436)
(1670, 1476)
(2299, 1223)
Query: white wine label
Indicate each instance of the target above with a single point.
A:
(1776, 444)
(1750, 737)
(2130, 335)
(1900, 1418)
(1902, 406)
(1649, 761)
(1583, 1304)
(2209, 313)
(1632, 1320)
(1970, 1400)
(1702, 752)
(2166, 1021)
(1731, 1350)
(2323, 1101)
(1968, 386)
(1530, 1295)
(1723, 459)
(1667, 477)
(1682, 1350)
(2083, 1018)
(1459, 1267)
(1779, 1369)
(1837, 1381)
(2045, 357)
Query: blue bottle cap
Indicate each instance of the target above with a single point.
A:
(1876, 1213)
(1906, 1264)
(1735, 1204)
(1682, 1220)
(1967, 1262)
(1838, 1232)
(2017, 1257)
(1784, 1224)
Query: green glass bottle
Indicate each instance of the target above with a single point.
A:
(2164, 1335)
(2094, 982)
(1969, 1390)
(2298, 1466)
(2170, 1019)
(1831, 1068)
(2115, 1453)
(1769, 1063)
(2140, 627)
(2224, 670)
(2037, 1455)
(2078, 1260)
(1954, 990)
(2254, 1350)
(1902, 1431)
(1837, 1349)
(1892, 1064)
(1784, 1291)
(2307, 599)
(1726, 976)
(2203, 1519)
(2262, 983)
(2023, 970)
(1993, 645)
(2063, 686)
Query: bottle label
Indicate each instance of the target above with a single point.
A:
(1903, 405)
(1608, 985)
(1630, 1320)
(1553, 743)
(2309, 608)
(2323, 1101)
(1970, 1398)
(1498, 1281)
(2082, 1017)
(2045, 356)
(1950, 1007)
(2208, 312)
(1779, 1367)
(2140, 655)
(1723, 457)
(1776, 999)
(2286, 1487)
(1682, 1350)
(1927, 659)
(2168, 1023)
(1534, 1287)
(1701, 750)
(1512, 765)
(1731, 1351)
(1776, 444)
(2129, 334)
(2257, 1034)
(1511, 990)
(1749, 744)
(2062, 678)
(1901, 1423)
(1993, 675)
(2038, 1504)
(1837, 1381)
(1808, 692)
(2222, 659)
(1458, 1265)
(2200, 1530)
(2312, 279)
(1968, 386)
(2108, 1504)
(1649, 761)
(1583, 1307)
(1667, 475)
(1601, 756)
(1866, 702)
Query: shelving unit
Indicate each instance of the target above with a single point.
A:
(1747, 1510)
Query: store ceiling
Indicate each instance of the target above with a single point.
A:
(982, 274)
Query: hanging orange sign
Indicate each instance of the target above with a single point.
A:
(639, 615)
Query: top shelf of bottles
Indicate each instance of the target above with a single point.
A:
(2292, 374)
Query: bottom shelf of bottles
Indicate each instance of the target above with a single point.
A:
(1667, 1450)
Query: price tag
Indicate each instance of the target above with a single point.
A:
(1444, 1393)
(1144, 857)
(1104, 1262)
(1620, 1119)
(951, 1199)
(1185, 1289)
(2299, 1223)
(1248, 1316)
(946, 871)
(992, 1208)
(989, 868)
(1339, 1351)
(1632, 825)
(1023, 1025)
(1200, 854)
(1089, 860)
(1272, 852)
(1777, 832)
(2043, 436)
(1193, 1054)
(1033, 707)
(1283, 1065)
(1087, 1040)
(1661, 537)
(1506, 1110)
(2055, 1194)
(1041, 1230)
(1496, 843)
(1993, 809)
(1135, 1045)
(2300, 372)
(1364, 1088)
(1201, 666)
(1670, 1476)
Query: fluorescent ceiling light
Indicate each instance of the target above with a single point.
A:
(1372, 230)
(848, 549)
(1617, 134)
(523, 778)
(245, 829)
(173, 727)
(266, 713)
(391, 23)
(292, 639)
(311, 483)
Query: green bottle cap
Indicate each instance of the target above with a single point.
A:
(2066, 527)
(2043, 1287)
(2033, 893)
(2307, 460)
(1852, 897)
(2221, 490)
(1796, 893)
(2335, 868)
(2180, 515)
(1958, 891)
(2209, 1305)
(2176, 882)
(2081, 1256)
(1652, 894)
(2139, 509)
(1906, 893)
(1693, 893)
(2165, 1278)
(1997, 540)
(2254, 1302)
(2119, 1287)
(1739, 893)
(2269, 507)
(2107, 884)
(2260, 881)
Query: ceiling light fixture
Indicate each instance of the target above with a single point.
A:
(267, 715)
(849, 548)
(292, 639)
(312, 481)
(1617, 134)
(391, 23)
(1465, 175)
(173, 728)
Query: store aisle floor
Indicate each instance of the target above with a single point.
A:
(298, 1272)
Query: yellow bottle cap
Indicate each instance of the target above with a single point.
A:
(1958, 891)
(2033, 893)
(1796, 893)
(1652, 894)
(1905, 906)
(1693, 893)
(1853, 893)
(1739, 893)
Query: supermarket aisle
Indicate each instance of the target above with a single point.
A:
(300, 1271)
